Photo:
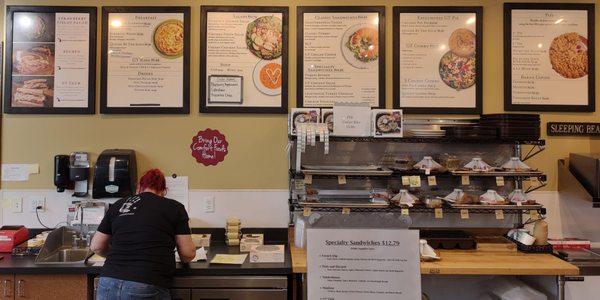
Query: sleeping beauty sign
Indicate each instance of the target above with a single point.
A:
(209, 147)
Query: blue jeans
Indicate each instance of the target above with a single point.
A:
(117, 289)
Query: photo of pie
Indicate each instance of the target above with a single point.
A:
(267, 77)
(32, 91)
(168, 38)
(456, 71)
(264, 38)
(569, 55)
(33, 59)
(462, 42)
(33, 27)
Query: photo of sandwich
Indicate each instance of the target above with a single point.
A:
(168, 38)
(360, 46)
(33, 59)
(32, 91)
(264, 37)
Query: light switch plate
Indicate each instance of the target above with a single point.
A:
(17, 205)
(209, 204)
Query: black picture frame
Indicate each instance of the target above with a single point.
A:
(397, 102)
(300, 10)
(185, 108)
(283, 107)
(508, 104)
(91, 105)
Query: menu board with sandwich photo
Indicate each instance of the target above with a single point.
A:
(243, 59)
(50, 65)
(145, 60)
(437, 59)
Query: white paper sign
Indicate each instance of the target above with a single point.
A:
(352, 119)
(177, 189)
(15, 172)
(225, 89)
(357, 264)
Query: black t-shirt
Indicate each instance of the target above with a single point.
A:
(143, 229)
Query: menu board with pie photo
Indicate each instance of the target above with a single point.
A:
(50, 64)
(341, 55)
(145, 60)
(243, 59)
(549, 57)
(437, 59)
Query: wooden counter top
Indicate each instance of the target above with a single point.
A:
(473, 262)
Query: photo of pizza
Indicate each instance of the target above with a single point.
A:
(462, 42)
(33, 59)
(569, 55)
(168, 38)
(264, 37)
(456, 71)
(30, 91)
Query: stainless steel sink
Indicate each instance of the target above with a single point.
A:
(60, 248)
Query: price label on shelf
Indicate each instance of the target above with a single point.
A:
(404, 211)
(500, 181)
(341, 179)
(439, 213)
(465, 180)
(415, 181)
(306, 212)
(345, 211)
(308, 179)
(431, 181)
(464, 213)
(405, 180)
(499, 214)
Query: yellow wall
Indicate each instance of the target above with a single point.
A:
(257, 142)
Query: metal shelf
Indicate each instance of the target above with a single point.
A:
(417, 209)
(432, 140)
(398, 174)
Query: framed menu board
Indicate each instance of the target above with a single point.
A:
(145, 60)
(549, 57)
(341, 55)
(50, 65)
(244, 59)
(438, 59)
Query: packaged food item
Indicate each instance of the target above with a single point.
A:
(427, 164)
(249, 240)
(459, 197)
(451, 162)
(405, 198)
(267, 254)
(201, 240)
(519, 197)
(477, 164)
(515, 164)
(491, 197)
(433, 203)
(387, 122)
(302, 115)
(233, 231)
(540, 232)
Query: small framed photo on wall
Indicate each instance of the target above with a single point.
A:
(145, 60)
(549, 57)
(438, 59)
(244, 59)
(50, 60)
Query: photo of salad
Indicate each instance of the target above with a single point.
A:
(264, 37)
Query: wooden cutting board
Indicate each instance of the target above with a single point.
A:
(495, 244)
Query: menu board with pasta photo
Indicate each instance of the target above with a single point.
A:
(243, 59)
(549, 57)
(437, 59)
(145, 60)
(341, 55)
(50, 64)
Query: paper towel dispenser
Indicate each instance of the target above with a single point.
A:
(115, 174)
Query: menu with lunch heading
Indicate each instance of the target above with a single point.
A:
(145, 63)
(341, 54)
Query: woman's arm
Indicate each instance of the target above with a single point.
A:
(100, 243)
(185, 247)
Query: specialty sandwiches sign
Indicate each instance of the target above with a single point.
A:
(573, 129)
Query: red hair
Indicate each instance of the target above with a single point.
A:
(153, 179)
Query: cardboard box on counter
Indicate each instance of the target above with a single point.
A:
(267, 254)
(201, 240)
(249, 240)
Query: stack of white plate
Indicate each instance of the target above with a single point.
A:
(426, 133)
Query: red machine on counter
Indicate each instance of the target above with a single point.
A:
(11, 236)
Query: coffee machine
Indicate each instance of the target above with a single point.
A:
(79, 172)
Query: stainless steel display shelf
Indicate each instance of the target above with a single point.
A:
(432, 140)
(496, 207)
(343, 204)
(415, 209)
(376, 172)
(398, 174)
(499, 173)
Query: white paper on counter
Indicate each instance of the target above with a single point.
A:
(178, 189)
(15, 172)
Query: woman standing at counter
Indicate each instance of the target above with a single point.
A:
(138, 235)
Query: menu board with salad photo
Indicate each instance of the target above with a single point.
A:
(243, 59)
(549, 55)
(341, 55)
(50, 63)
(437, 59)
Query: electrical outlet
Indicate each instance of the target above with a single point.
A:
(34, 202)
(209, 204)
(17, 205)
